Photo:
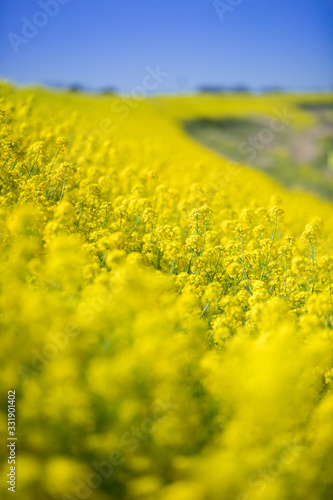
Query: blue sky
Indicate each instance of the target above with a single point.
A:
(101, 43)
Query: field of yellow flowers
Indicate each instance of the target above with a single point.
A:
(166, 315)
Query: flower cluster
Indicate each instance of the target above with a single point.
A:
(154, 314)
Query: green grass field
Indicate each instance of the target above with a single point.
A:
(298, 159)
